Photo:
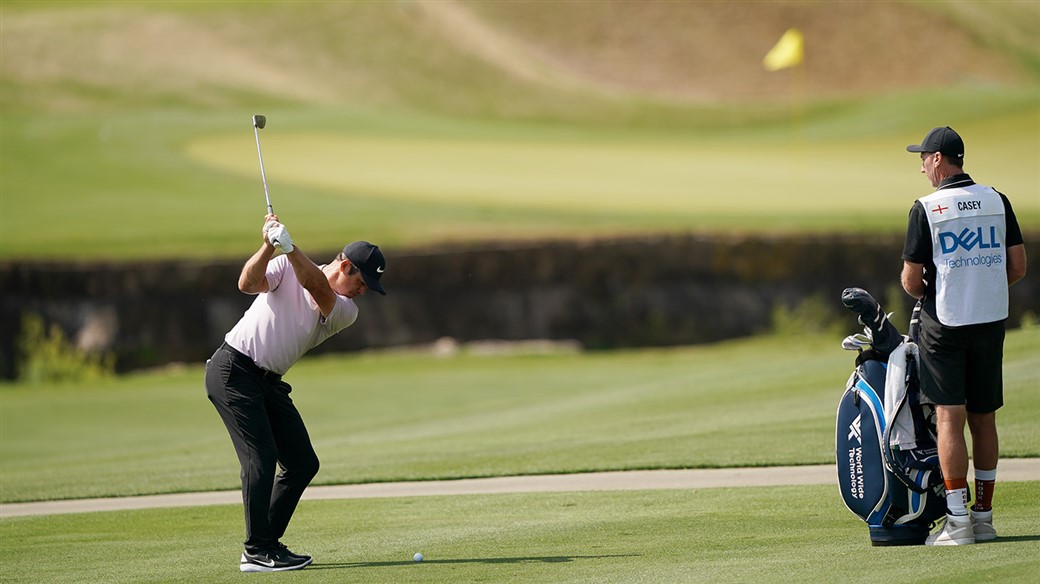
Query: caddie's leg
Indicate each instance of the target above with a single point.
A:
(985, 452)
(953, 456)
(985, 395)
(985, 444)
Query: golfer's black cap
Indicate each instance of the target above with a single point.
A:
(942, 140)
(367, 258)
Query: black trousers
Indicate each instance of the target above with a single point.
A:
(267, 432)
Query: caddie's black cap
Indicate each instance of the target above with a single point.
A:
(943, 140)
(367, 258)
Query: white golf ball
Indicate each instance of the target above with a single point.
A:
(418, 557)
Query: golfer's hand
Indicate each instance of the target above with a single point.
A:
(269, 220)
(279, 237)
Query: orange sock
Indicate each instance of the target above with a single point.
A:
(984, 482)
(957, 496)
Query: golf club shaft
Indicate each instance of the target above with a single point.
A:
(263, 175)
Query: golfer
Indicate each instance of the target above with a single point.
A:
(298, 305)
(963, 250)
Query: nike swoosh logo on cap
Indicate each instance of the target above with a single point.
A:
(380, 270)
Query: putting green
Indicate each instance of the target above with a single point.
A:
(755, 176)
(91, 188)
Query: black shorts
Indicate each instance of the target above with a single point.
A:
(963, 365)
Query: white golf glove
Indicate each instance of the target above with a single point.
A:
(269, 225)
(279, 237)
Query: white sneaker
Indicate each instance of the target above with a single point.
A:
(982, 525)
(956, 531)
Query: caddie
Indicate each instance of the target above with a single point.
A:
(963, 249)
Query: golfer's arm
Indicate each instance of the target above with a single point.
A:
(912, 279)
(1016, 267)
(253, 279)
(313, 280)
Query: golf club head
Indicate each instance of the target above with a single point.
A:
(884, 335)
(861, 302)
(259, 121)
(855, 343)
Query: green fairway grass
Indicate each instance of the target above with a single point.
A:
(788, 534)
(390, 417)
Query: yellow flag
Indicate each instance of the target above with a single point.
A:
(788, 51)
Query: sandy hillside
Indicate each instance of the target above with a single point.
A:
(452, 53)
(714, 50)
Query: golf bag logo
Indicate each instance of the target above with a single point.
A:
(854, 430)
(860, 446)
(856, 459)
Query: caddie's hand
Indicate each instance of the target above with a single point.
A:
(279, 237)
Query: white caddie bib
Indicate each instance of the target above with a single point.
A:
(968, 230)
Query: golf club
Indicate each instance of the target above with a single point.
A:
(259, 122)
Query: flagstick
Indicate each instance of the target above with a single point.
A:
(789, 52)
(799, 98)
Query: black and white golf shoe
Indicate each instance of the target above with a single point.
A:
(285, 550)
(278, 559)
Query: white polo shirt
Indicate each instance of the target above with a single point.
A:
(285, 322)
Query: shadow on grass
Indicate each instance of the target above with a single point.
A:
(520, 560)
(1011, 538)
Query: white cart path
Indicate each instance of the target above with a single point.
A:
(1011, 469)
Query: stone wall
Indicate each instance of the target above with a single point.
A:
(638, 291)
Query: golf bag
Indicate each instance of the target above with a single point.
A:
(885, 440)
